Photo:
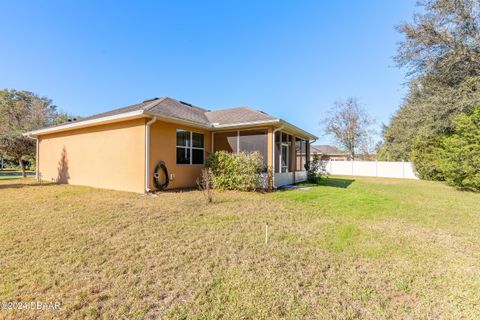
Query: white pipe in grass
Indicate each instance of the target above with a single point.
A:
(266, 233)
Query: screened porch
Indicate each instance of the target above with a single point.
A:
(290, 157)
(287, 155)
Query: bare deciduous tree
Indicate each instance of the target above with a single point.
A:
(349, 124)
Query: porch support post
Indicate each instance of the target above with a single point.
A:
(270, 159)
(270, 150)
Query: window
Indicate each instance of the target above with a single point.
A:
(190, 147)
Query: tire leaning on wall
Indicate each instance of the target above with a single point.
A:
(160, 167)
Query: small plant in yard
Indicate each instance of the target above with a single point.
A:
(236, 171)
(315, 169)
(205, 184)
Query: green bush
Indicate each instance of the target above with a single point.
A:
(461, 153)
(236, 171)
(315, 168)
(426, 157)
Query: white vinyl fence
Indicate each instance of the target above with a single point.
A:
(387, 169)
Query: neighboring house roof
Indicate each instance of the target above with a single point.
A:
(326, 149)
(179, 111)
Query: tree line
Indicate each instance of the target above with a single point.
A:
(438, 125)
(20, 112)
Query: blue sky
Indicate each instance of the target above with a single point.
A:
(292, 59)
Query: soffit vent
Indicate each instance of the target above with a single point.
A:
(186, 103)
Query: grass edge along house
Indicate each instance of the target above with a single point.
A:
(125, 148)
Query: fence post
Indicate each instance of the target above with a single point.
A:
(403, 169)
(376, 168)
(352, 167)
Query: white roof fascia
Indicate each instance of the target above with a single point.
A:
(86, 123)
(245, 124)
(180, 121)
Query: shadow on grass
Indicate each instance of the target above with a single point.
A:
(324, 182)
(336, 182)
(24, 185)
(15, 174)
(9, 178)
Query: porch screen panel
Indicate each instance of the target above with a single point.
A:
(301, 154)
(298, 154)
(304, 154)
(286, 159)
(225, 141)
(254, 140)
(307, 147)
(278, 150)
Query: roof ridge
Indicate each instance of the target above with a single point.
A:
(188, 104)
(153, 104)
(231, 108)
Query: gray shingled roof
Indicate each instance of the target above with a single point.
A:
(173, 108)
(237, 115)
(134, 107)
(176, 109)
(325, 149)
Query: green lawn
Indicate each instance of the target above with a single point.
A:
(12, 174)
(351, 248)
(10, 177)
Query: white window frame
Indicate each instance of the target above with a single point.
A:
(191, 148)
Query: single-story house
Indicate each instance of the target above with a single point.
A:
(327, 152)
(121, 149)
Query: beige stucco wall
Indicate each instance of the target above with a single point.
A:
(163, 147)
(110, 156)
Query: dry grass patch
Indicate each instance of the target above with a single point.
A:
(372, 250)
